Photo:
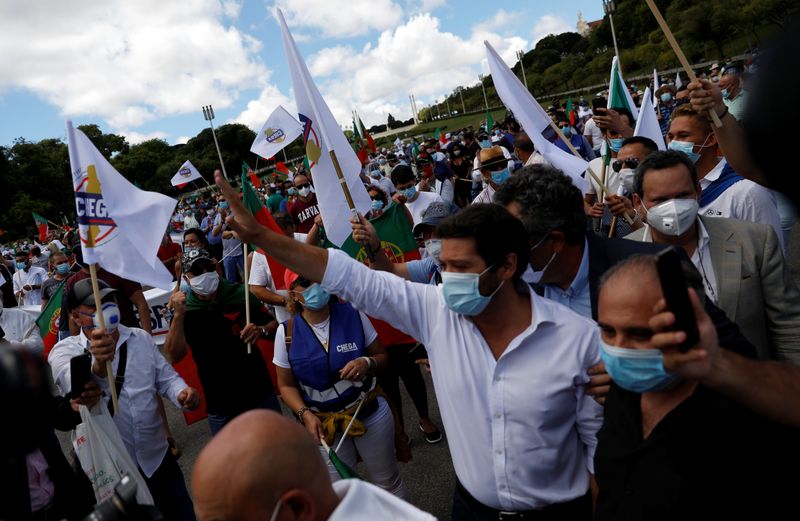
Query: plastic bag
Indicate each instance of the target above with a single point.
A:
(103, 455)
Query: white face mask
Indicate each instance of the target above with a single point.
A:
(304, 191)
(673, 217)
(626, 178)
(110, 317)
(205, 284)
(537, 275)
(434, 247)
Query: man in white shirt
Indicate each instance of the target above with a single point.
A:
(140, 371)
(18, 330)
(28, 281)
(494, 170)
(416, 202)
(280, 470)
(723, 192)
(509, 367)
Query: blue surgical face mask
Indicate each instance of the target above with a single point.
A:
(500, 176)
(725, 94)
(224, 205)
(21, 265)
(62, 269)
(616, 143)
(666, 97)
(637, 370)
(687, 147)
(485, 143)
(292, 191)
(409, 192)
(314, 297)
(566, 130)
(462, 294)
(377, 206)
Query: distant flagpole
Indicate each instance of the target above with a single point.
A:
(208, 114)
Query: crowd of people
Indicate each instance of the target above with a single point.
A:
(564, 389)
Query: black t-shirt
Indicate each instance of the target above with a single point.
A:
(233, 380)
(709, 458)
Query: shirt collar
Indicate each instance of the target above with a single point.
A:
(581, 278)
(714, 174)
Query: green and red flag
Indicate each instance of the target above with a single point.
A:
(41, 225)
(570, 112)
(489, 121)
(398, 244)
(254, 205)
(306, 165)
(246, 170)
(48, 320)
(280, 166)
(365, 135)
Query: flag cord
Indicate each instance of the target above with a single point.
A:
(98, 311)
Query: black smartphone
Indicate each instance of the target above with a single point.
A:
(676, 294)
(600, 112)
(80, 370)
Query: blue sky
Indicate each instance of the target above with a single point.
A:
(144, 68)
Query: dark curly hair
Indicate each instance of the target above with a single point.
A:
(548, 201)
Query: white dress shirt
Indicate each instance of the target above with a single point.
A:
(362, 501)
(33, 277)
(521, 430)
(743, 200)
(21, 331)
(147, 373)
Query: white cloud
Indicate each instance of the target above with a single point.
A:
(550, 24)
(425, 6)
(121, 62)
(231, 8)
(377, 80)
(182, 140)
(500, 21)
(259, 109)
(341, 19)
(134, 137)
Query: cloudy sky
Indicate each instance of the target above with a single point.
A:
(143, 68)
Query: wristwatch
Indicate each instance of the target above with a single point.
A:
(299, 413)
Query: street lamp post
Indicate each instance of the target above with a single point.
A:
(520, 56)
(447, 102)
(208, 114)
(485, 100)
(461, 93)
(609, 7)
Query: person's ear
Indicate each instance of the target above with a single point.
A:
(301, 503)
(509, 266)
(558, 239)
(636, 200)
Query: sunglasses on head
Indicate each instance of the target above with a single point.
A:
(630, 162)
(304, 185)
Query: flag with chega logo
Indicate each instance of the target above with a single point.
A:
(48, 320)
(120, 226)
(279, 130)
(185, 174)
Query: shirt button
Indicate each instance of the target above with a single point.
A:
(498, 415)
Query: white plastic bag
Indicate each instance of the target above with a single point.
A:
(103, 455)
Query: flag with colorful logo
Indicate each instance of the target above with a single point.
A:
(185, 174)
(279, 130)
(48, 320)
(253, 204)
(41, 225)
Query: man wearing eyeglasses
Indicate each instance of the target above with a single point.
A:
(304, 208)
(633, 151)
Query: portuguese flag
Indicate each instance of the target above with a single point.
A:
(253, 204)
(48, 320)
(246, 170)
(280, 166)
(399, 245)
(41, 225)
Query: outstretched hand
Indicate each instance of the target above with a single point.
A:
(239, 220)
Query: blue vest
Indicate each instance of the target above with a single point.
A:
(317, 371)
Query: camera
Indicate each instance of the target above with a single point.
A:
(122, 506)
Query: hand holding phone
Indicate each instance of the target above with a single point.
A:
(676, 295)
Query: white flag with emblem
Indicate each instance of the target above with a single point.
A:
(120, 226)
(186, 173)
(279, 130)
(321, 135)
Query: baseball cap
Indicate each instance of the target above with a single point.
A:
(194, 255)
(82, 294)
(432, 216)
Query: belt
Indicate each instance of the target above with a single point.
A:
(578, 508)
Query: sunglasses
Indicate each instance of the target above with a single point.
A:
(304, 185)
(630, 162)
(377, 198)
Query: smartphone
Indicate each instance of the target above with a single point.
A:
(676, 294)
(600, 112)
(80, 370)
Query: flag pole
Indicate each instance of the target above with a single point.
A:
(208, 114)
(247, 296)
(348, 197)
(677, 48)
(98, 305)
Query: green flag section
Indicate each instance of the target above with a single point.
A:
(41, 225)
(305, 164)
(48, 320)
(253, 204)
(489, 121)
(344, 470)
(366, 135)
(399, 245)
(618, 95)
(247, 171)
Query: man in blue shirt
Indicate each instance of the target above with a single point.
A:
(215, 241)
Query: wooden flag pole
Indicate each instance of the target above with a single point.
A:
(98, 305)
(247, 297)
(613, 228)
(677, 48)
(348, 197)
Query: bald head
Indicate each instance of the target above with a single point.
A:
(257, 459)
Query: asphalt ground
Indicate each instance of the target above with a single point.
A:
(429, 476)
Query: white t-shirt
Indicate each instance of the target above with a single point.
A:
(35, 276)
(322, 332)
(261, 275)
(421, 203)
(612, 180)
(590, 129)
(744, 200)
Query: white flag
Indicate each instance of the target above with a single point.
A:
(533, 118)
(678, 82)
(321, 134)
(120, 226)
(618, 95)
(279, 130)
(647, 124)
(186, 173)
(656, 86)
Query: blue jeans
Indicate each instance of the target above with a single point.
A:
(233, 265)
(217, 421)
(788, 214)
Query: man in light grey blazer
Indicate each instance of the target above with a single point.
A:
(742, 263)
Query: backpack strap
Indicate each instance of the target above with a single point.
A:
(119, 378)
(288, 333)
